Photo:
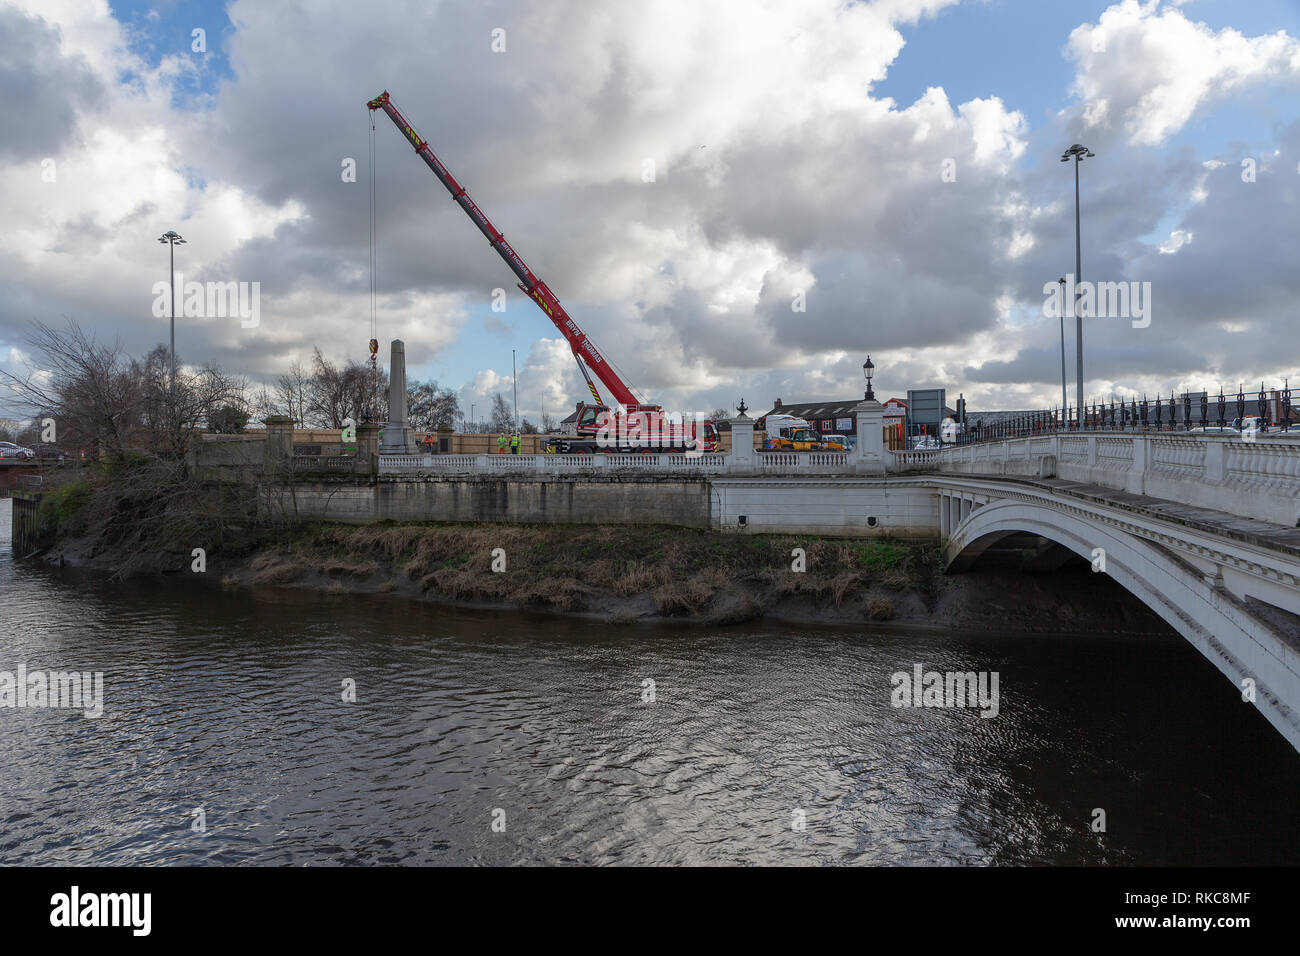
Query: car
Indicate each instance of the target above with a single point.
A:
(49, 452)
(9, 450)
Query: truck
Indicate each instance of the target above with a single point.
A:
(788, 433)
(629, 425)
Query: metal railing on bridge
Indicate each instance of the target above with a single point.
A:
(1270, 411)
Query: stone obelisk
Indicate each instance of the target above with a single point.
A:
(398, 439)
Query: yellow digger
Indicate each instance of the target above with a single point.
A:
(787, 433)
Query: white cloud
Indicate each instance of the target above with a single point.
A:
(1156, 67)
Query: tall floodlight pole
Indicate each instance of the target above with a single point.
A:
(1079, 153)
(1063, 398)
(514, 377)
(172, 238)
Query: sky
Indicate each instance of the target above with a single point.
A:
(733, 199)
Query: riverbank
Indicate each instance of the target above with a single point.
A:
(627, 574)
(149, 523)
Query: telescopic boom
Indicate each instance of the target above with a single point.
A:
(583, 348)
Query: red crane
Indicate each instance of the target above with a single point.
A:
(591, 418)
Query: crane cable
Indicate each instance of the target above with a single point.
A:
(374, 281)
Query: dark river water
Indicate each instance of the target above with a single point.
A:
(230, 702)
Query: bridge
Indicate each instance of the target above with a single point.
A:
(1203, 530)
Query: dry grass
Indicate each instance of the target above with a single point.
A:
(279, 572)
(880, 609)
(353, 569)
(564, 567)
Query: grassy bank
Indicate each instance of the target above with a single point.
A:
(617, 571)
(141, 518)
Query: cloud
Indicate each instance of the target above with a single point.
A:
(818, 222)
(1149, 69)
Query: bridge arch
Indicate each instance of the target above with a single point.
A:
(1215, 622)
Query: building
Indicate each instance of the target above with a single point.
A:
(829, 417)
(895, 411)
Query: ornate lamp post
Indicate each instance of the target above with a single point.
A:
(868, 370)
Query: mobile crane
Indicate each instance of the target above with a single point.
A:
(633, 425)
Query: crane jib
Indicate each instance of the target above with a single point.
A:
(529, 283)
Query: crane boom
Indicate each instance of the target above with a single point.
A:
(583, 348)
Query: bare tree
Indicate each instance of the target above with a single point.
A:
(503, 422)
(102, 400)
(430, 406)
(336, 394)
(89, 389)
(175, 408)
(293, 394)
(548, 424)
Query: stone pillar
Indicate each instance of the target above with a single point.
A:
(368, 448)
(1136, 481)
(741, 458)
(398, 439)
(1215, 460)
(279, 437)
(870, 457)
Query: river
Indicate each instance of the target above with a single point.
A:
(508, 738)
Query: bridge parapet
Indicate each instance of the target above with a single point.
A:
(1253, 479)
(914, 460)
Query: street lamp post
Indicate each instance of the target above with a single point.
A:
(868, 370)
(1064, 401)
(514, 377)
(1079, 153)
(171, 238)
